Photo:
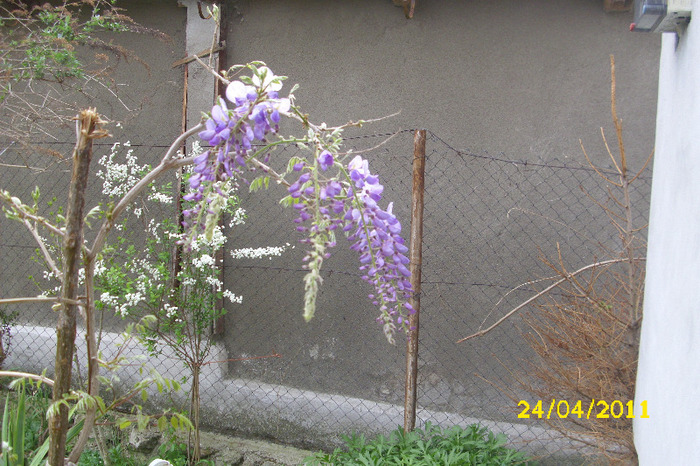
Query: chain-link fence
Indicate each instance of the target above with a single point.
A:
(487, 219)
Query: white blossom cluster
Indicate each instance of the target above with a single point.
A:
(122, 306)
(203, 262)
(216, 242)
(238, 217)
(147, 273)
(119, 178)
(170, 310)
(160, 197)
(259, 253)
(232, 297)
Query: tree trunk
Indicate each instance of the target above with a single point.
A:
(195, 411)
(87, 130)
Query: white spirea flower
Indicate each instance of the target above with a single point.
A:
(170, 311)
(162, 198)
(215, 282)
(258, 253)
(232, 297)
(118, 178)
(188, 281)
(237, 218)
(203, 262)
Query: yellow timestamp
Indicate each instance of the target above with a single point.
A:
(597, 409)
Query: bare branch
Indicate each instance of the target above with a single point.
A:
(47, 255)
(40, 299)
(646, 162)
(545, 291)
(26, 375)
(594, 166)
(24, 215)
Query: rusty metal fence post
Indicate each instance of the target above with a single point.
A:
(415, 253)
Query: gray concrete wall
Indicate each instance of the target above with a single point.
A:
(528, 79)
(667, 378)
(145, 109)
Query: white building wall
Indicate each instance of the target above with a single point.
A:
(669, 375)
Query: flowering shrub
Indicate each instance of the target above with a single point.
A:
(329, 191)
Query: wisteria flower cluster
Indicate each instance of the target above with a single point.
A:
(329, 194)
(374, 233)
(255, 112)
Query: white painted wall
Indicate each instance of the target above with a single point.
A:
(668, 376)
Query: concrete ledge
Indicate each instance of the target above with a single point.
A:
(284, 414)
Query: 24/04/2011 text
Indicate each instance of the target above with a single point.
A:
(599, 409)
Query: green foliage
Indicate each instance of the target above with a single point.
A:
(117, 456)
(7, 320)
(172, 450)
(24, 425)
(40, 43)
(474, 445)
(13, 427)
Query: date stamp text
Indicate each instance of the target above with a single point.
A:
(596, 409)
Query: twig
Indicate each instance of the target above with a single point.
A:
(211, 70)
(47, 255)
(370, 149)
(40, 299)
(26, 375)
(23, 214)
(545, 291)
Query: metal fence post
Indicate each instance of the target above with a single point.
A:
(415, 253)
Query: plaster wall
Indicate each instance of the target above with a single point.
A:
(667, 377)
(527, 79)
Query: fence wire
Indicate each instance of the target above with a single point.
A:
(487, 220)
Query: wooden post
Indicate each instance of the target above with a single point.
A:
(87, 129)
(416, 254)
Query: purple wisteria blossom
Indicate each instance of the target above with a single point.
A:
(326, 200)
(231, 132)
(325, 160)
(374, 233)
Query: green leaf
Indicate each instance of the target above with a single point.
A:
(259, 183)
(287, 201)
(18, 442)
(35, 195)
(42, 451)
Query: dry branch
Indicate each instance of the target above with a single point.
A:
(567, 276)
(586, 336)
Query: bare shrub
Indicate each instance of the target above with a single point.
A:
(587, 334)
(584, 325)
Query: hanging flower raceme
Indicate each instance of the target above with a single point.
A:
(252, 113)
(326, 200)
(376, 235)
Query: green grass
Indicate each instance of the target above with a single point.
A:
(474, 445)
